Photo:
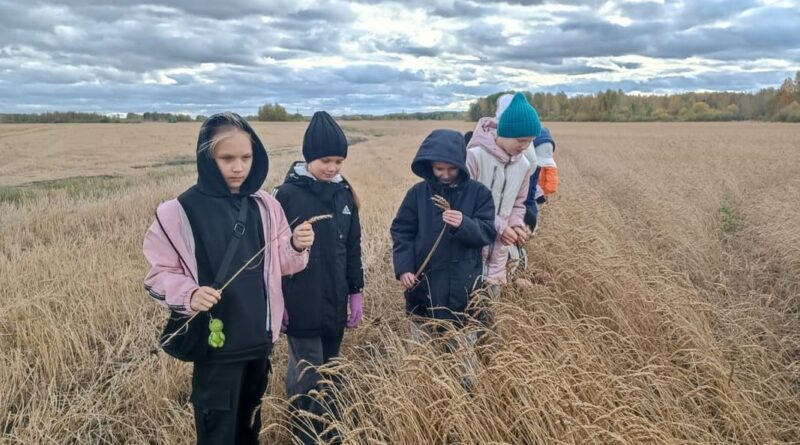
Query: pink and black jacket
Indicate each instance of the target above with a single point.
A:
(185, 244)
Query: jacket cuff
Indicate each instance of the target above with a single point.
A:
(187, 300)
(500, 225)
(295, 249)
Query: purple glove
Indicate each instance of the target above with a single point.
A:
(356, 310)
(285, 321)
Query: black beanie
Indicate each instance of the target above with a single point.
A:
(323, 138)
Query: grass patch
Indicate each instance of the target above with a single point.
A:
(353, 140)
(185, 160)
(731, 222)
(374, 132)
(75, 187)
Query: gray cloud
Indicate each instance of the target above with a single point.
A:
(404, 46)
(184, 55)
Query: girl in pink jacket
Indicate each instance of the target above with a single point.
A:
(496, 158)
(226, 220)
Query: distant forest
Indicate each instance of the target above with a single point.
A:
(769, 104)
(64, 117)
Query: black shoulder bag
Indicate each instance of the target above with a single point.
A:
(190, 344)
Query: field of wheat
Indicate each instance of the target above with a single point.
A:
(665, 306)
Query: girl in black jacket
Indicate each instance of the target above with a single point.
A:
(317, 298)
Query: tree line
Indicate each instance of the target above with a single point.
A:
(768, 104)
(419, 116)
(63, 117)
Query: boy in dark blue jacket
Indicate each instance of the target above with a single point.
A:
(442, 289)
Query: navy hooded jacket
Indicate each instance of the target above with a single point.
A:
(456, 267)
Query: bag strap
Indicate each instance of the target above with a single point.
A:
(164, 231)
(238, 233)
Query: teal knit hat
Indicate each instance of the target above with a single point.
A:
(519, 120)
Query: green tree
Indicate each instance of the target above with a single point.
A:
(701, 108)
(797, 86)
(272, 112)
(786, 95)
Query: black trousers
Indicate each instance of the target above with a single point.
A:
(315, 351)
(227, 401)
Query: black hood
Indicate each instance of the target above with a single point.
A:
(322, 189)
(209, 178)
(442, 146)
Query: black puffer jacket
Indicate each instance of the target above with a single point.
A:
(316, 298)
(456, 267)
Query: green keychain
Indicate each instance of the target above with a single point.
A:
(216, 339)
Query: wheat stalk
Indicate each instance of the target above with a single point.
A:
(440, 202)
(318, 218)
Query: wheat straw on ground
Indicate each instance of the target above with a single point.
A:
(664, 304)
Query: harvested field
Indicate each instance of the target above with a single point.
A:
(665, 306)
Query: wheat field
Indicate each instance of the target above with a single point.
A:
(665, 305)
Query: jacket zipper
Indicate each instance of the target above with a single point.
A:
(503, 188)
(267, 259)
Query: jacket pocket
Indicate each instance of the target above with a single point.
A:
(212, 407)
(418, 298)
(302, 299)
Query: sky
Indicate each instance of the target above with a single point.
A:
(202, 57)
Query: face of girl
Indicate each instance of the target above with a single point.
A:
(444, 172)
(234, 156)
(325, 169)
(513, 146)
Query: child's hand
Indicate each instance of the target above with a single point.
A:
(204, 298)
(356, 304)
(408, 280)
(523, 234)
(303, 236)
(285, 321)
(452, 218)
(509, 236)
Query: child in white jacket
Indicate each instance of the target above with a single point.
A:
(495, 158)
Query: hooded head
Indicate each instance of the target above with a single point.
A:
(519, 120)
(545, 146)
(468, 137)
(323, 138)
(217, 128)
(441, 146)
(502, 103)
(544, 137)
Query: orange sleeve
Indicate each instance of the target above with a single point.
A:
(548, 180)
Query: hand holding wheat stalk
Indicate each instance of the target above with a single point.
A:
(440, 202)
(311, 220)
(319, 218)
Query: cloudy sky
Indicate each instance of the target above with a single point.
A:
(366, 56)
